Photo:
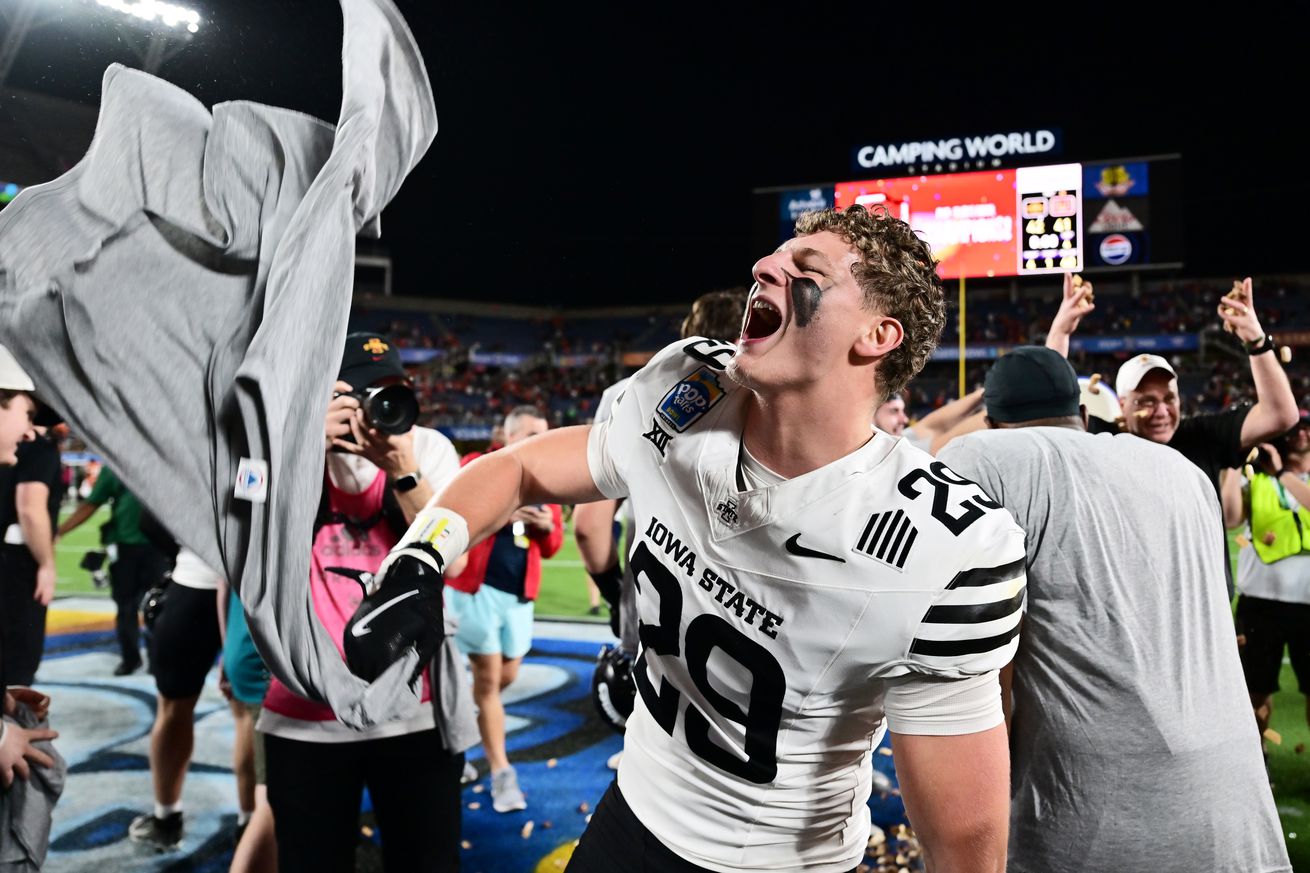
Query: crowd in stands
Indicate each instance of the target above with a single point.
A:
(485, 364)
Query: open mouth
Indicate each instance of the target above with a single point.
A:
(762, 320)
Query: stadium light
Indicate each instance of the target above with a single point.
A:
(151, 11)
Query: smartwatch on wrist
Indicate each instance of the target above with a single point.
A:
(408, 482)
(1260, 346)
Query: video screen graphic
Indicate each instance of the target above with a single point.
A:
(967, 218)
(1108, 215)
(1050, 209)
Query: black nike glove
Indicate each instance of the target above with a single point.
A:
(610, 584)
(403, 612)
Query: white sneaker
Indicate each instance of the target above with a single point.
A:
(506, 796)
(613, 762)
(470, 774)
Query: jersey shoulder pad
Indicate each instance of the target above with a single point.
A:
(960, 524)
(682, 382)
(971, 564)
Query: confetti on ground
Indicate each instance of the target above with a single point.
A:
(1273, 736)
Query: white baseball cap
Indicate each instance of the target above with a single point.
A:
(1135, 369)
(1101, 402)
(12, 375)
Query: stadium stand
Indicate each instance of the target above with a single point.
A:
(471, 361)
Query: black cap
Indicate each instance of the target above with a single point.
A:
(1029, 383)
(46, 415)
(369, 358)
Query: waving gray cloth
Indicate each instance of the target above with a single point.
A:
(181, 296)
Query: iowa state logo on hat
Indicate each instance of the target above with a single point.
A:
(376, 346)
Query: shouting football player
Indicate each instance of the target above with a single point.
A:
(804, 584)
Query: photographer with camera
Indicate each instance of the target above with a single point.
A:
(380, 470)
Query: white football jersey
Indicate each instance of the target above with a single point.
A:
(772, 619)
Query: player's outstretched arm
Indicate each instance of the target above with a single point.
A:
(550, 468)
(402, 608)
(957, 795)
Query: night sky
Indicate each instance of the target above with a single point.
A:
(597, 154)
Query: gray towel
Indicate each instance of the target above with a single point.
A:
(181, 296)
(26, 807)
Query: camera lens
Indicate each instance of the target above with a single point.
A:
(392, 409)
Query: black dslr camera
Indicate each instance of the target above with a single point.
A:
(390, 405)
(371, 366)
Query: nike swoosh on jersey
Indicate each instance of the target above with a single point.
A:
(797, 549)
(363, 627)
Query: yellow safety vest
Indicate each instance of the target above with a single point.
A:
(1271, 512)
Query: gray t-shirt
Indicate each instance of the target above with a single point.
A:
(1133, 740)
(181, 296)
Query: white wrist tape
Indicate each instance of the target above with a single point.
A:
(442, 530)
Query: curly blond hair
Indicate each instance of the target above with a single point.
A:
(899, 277)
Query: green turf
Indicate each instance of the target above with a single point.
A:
(564, 584)
(72, 580)
(1290, 771)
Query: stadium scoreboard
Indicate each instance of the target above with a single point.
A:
(1050, 208)
(1014, 221)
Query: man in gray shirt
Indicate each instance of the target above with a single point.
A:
(1131, 737)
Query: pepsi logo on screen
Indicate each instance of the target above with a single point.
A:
(1116, 249)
